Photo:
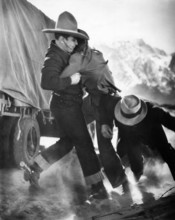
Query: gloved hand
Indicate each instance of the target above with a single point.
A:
(75, 78)
(106, 131)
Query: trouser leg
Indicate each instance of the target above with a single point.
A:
(133, 150)
(54, 152)
(109, 159)
(168, 154)
(72, 121)
(57, 151)
(136, 161)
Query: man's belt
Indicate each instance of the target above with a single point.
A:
(67, 95)
(74, 97)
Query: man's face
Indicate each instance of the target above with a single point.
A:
(70, 43)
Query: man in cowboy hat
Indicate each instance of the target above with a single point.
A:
(139, 124)
(97, 80)
(66, 107)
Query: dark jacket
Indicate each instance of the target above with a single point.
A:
(95, 73)
(55, 61)
(149, 131)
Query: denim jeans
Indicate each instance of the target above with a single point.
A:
(68, 114)
(109, 159)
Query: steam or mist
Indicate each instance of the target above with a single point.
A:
(64, 191)
(62, 197)
(63, 187)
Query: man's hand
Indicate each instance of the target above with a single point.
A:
(106, 131)
(75, 78)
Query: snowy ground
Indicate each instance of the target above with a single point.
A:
(63, 186)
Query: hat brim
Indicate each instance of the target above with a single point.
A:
(71, 33)
(130, 121)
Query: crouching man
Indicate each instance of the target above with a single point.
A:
(139, 123)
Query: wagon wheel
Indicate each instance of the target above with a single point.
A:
(26, 141)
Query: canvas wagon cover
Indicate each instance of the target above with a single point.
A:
(22, 49)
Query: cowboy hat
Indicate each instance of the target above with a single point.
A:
(67, 24)
(83, 32)
(130, 110)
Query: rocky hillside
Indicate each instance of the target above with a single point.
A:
(141, 69)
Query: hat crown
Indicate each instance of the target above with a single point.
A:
(130, 104)
(130, 110)
(66, 21)
(67, 24)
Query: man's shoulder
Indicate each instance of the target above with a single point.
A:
(76, 56)
(56, 53)
(111, 99)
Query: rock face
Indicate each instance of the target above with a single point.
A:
(141, 69)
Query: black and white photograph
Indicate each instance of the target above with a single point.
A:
(87, 110)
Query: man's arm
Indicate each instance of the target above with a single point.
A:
(163, 117)
(73, 67)
(50, 79)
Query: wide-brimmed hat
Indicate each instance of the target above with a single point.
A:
(83, 32)
(130, 110)
(66, 24)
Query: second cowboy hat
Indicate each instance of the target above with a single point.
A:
(67, 24)
(130, 110)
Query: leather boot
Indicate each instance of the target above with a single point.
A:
(32, 174)
(98, 191)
